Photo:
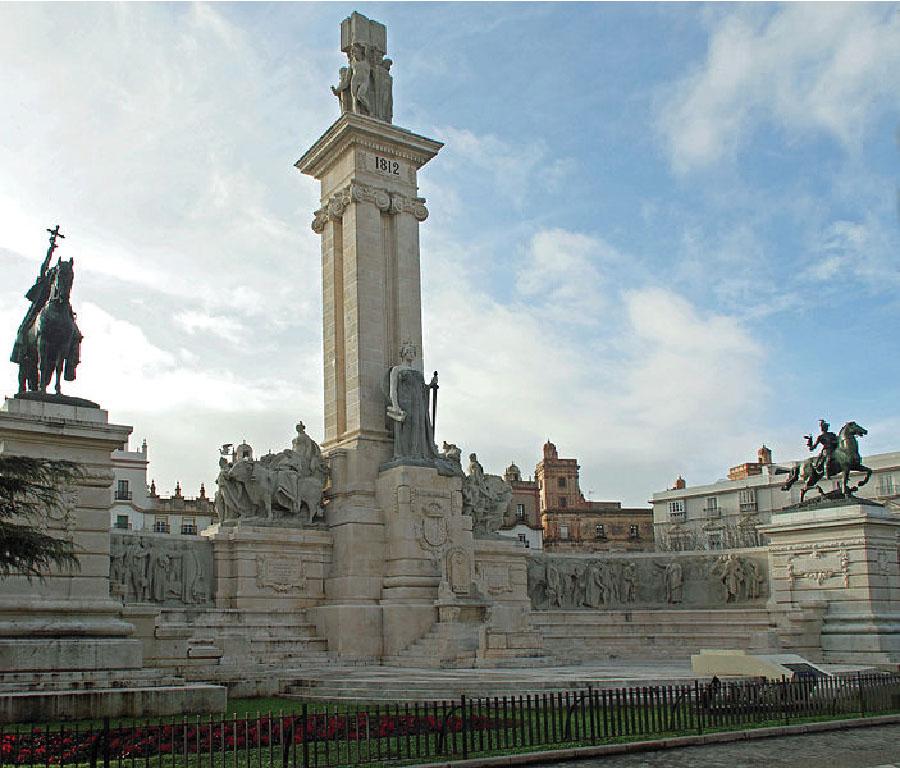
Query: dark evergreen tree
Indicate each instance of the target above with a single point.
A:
(29, 489)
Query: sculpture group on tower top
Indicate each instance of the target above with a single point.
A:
(365, 85)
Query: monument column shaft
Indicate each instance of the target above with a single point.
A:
(371, 283)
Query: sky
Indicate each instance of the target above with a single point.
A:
(660, 235)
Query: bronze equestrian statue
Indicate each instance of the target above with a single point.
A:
(48, 341)
(838, 458)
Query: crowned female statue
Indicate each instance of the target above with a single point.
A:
(408, 410)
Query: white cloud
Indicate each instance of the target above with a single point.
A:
(513, 167)
(675, 382)
(827, 68)
(562, 273)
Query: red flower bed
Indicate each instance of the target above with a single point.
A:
(43, 746)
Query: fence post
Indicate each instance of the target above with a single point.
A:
(465, 727)
(305, 752)
(106, 742)
(862, 698)
(785, 712)
(697, 707)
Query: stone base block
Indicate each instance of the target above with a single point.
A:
(353, 631)
(404, 624)
(42, 706)
(269, 568)
(71, 653)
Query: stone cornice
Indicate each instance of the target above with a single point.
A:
(388, 202)
(359, 130)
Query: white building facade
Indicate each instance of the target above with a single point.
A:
(137, 507)
(728, 513)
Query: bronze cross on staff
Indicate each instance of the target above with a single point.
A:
(54, 233)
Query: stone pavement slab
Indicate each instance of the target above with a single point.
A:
(876, 747)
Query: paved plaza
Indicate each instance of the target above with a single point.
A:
(877, 747)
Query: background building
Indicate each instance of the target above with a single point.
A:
(137, 506)
(523, 520)
(727, 513)
(572, 523)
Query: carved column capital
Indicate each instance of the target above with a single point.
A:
(393, 203)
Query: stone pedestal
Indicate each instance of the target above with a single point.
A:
(67, 621)
(846, 557)
(271, 568)
(428, 541)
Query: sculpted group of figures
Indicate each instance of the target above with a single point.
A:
(285, 486)
(366, 85)
(574, 583)
(568, 583)
(147, 569)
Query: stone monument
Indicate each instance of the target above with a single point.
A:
(404, 555)
(840, 552)
(66, 630)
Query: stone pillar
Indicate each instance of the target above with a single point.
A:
(423, 525)
(67, 622)
(845, 557)
(371, 300)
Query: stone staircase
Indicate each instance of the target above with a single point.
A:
(395, 684)
(579, 636)
(80, 680)
(447, 645)
(244, 650)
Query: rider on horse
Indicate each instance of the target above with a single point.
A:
(38, 295)
(828, 441)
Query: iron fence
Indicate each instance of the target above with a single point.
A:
(340, 734)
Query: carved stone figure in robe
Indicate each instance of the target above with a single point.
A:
(408, 411)
(730, 571)
(596, 592)
(554, 586)
(629, 583)
(190, 576)
(384, 90)
(673, 577)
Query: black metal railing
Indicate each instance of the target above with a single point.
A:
(123, 495)
(349, 735)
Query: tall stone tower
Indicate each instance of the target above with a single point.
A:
(369, 224)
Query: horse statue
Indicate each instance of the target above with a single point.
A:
(844, 460)
(51, 343)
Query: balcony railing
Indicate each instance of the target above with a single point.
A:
(188, 530)
(160, 527)
(122, 495)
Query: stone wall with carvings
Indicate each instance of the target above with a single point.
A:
(166, 570)
(691, 580)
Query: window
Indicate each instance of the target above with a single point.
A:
(564, 531)
(522, 538)
(188, 526)
(561, 482)
(633, 532)
(676, 509)
(712, 507)
(747, 500)
(520, 511)
(600, 532)
(161, 524)
(122, 522)
(122, 492)
(886, 485)
(563, 502)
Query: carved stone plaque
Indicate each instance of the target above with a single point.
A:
(281, 574)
